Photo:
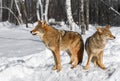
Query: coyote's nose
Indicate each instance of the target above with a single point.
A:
(30, 31)
(114, 37)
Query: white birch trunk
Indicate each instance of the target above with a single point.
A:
(87, 14)
(82, 16)
(20, 15)
(24, 11)
(69, 15)
(11, 5)
(41, 7)
(39, 3)
(46, 10)
(0, 10)
(38, 15)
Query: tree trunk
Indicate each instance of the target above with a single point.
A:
(9, 14)
(41, 8)
(69, 15)
(25, 12)
(12, 14)
(87, 15)
(96, 12)
(46, 10)
(81, 16)
(19, 13)
(37, 12)
(40, 16)
(0, 10)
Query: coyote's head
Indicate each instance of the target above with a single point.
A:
(105, 32)
(39, 29)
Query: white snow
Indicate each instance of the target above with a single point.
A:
(24, 57)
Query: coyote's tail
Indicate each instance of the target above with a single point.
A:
(81, 51)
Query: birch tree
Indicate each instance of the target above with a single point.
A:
(96, 12)
(69, 15)
(9, 14)
(87, 15)
(1, 10)
(81, 16)
(40, 16)
(24, 11)
(46, 11)
(12, 13)
(19, 13)
(41, 8)
(37, 12)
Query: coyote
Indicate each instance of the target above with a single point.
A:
(95, 45)
(57, 40)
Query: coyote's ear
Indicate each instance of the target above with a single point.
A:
(99, 30)
(107, 27)
(39, 22)
(44, 23)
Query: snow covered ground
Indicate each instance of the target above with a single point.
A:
(24, 57)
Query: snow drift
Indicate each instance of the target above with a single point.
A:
(24, 57)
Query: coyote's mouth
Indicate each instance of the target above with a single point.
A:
(33, 33)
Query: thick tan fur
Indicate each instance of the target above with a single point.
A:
(57, 40)
(95, 46)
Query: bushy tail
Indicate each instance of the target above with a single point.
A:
(81, 51)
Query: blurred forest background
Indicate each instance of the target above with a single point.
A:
(26, 11)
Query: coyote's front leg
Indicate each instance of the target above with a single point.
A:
(100, 60)
(88, 62)
(57, 65)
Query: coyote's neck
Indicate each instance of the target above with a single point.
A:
(99, 41)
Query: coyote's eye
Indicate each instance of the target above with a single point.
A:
(108, 34)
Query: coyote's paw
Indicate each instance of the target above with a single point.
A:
(103, 67)
(54, 67)
(73, 66)
(70, 62)
(59, 67)
(86, 68)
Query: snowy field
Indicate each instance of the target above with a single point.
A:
(24, 57)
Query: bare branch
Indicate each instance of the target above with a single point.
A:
(12, 13)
